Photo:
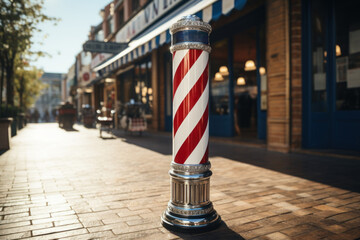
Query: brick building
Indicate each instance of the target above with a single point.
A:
(283, 72)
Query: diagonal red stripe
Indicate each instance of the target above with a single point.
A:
(186, 63)
(190, 100)
(193, 139)
(205, 158)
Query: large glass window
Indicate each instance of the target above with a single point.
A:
(135, 4)
(110, 25)
(120, 17)
(143, 85)
(245, 82)
(319, 54)
(347, 51)
(219, 78)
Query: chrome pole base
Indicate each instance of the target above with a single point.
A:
(190, 208)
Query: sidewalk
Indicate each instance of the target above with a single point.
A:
(57, 184)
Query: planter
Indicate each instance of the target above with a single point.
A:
(5, 133)
(21, 120)
(14, 127)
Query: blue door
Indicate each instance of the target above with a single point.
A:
(331, 74)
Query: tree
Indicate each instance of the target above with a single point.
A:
(27, 86)
(18, 23)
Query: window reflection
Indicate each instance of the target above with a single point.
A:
(318, 99)
(347, 51)
(245, 82)
(219, 78)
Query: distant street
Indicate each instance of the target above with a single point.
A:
(57, 184)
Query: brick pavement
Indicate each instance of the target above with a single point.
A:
(56, 184)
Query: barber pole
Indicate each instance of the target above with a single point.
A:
(190, 208)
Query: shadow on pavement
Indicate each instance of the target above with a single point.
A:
(2, 151)
(223, 232)
(71, 130)
(335, 171)
(160, 144)
(108, 138)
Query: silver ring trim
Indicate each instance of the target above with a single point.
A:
(189, 45)
(190, 212)
(185, 23)
(191, 168)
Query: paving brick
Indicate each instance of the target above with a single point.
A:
(277, 236)
(59, 235)
(299, 229)
(56, 229)
(16, 235)
(344, 217)
(15, 224)
(25, 228)
(98, 235)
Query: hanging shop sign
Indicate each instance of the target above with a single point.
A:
(103, 47)
(152, 12)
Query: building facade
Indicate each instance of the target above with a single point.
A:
(282, 72)
(50, 98)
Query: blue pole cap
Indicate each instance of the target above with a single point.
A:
(190, 32)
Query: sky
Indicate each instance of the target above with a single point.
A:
(64, 41)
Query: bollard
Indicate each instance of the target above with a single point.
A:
(190, 208)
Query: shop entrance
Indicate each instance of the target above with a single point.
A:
(331, 70)
(238, 93)
(249, 83)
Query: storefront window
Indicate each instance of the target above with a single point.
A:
(245, 82)
(143, 86)
(110, 25)
(319, 55)
(219, 78)
(347, 51)
(127, 89)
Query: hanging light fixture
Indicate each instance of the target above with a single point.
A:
(218, 77)
(240, 81)
(250, 65)
(224, 71)
(137, 89)
(262, 71)
(338, 50)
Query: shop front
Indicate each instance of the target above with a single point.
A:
(135, 86)
(238, 76)
(331, 74)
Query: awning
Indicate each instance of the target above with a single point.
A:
(159, 34)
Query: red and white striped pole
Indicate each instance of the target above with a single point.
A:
(190, 208)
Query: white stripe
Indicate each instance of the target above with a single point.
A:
(146, 47)
(191, 120)
(207, 14)
(153, 43)
(227, 6)
(162, 38)
(200, 149)
(179, 55)
(189, 80)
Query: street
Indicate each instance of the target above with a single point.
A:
(57, 184)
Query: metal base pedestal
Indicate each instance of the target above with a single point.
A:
(190, 209)
(202, 223)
